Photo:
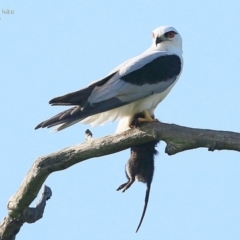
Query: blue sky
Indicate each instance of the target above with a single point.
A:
(52, 48)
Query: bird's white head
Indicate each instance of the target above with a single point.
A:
(167, 38)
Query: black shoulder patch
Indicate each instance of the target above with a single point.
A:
(160, 69)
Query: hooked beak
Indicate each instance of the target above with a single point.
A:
(158, 40)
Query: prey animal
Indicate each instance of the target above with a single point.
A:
(140, 166)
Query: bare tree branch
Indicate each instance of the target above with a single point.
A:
(10, 227)
(177, 138)
(31, 215)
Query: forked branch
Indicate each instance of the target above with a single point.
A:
(177, 138)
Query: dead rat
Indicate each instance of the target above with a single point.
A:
(140, 166)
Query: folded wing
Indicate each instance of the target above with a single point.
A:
(137, 78)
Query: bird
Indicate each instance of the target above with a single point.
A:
(137, 85)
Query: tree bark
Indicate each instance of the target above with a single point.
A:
(177, 138)
(10, 226)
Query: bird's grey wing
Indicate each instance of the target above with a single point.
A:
(78, 99)
(142, 76)
(81, 96)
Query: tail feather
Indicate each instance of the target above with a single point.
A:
(65, 125)
(65, 117)
(82, 108)
(76, 114)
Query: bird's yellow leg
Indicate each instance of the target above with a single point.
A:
(147, 118)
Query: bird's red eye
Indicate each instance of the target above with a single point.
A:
(170, 34)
